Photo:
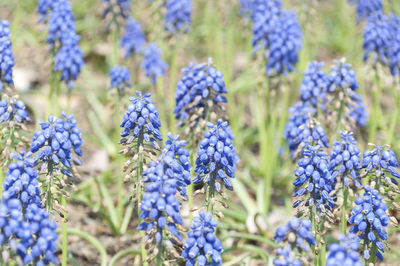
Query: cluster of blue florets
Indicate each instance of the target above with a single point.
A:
(314, 84)
(13, 110)
(345, 161)
(381, 42)
(56, 142)
(284, 258)
(118, 8)
(120, 77)
(62, 36)
(313, 180)
(199, 84)
(365, 8)
(6, 54)
(217, 157)
(202, 246)
(176, 157)
(345, 252)
(381, 161)
(278, 32)
(301, 229)
(178, 16)
(153, 64)
(24, 223)
(160, 207)
(369, 220)
(141, 119)
(133, 40)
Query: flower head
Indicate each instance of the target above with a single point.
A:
(120, 77)
(24, 223)
(377, 38)
(176, 157)
(13, 110)
(178, 16)
(345, 252)
(366, 8)
(118, 8)
(69, 60)
(133, 39)
(153, 65)
(217, 157)
(369, 220)
(285, 258)
(61, 22)
(141, 119)
(297, 233)
(199, 85)
(160, 207)
(313, 180)
(56, 142)
(284, 45)
(314, 84)
(6, 54)
(202, 246)
(394, 53)
(345, 161)
(342, 76)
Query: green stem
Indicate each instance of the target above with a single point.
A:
(343, 226)
(92, 240)
(64, 235)
(139, 177)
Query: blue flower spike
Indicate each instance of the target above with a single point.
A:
(24, 223)
(345, 161)
(202, 246)
(285, 257)
(366, 8)
(200, 91)
(313, 183)
(6, 55)
(297, 233)
(178, 16)
(163, 180)
(13, 110)
(216, 158)
(120, 79)
(153, 64)
(345, 252)
(368, 220)
(133, 41)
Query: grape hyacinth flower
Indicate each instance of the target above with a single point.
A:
(284, 45)
(202, 246)
(178, 16)
(345, 161)
(313, 181)
(24, 224)
(69, 60)
(303, 130)
(297, 233)
(55, 143)
(117, 8)
(394, 53)
(377, 39)
(120, 78)
(142, 121)
(200, 85)
(286, 258)
(314, 84)
(217, 157)
(176, 157)
(13, 110)
(381, 162)
(342, 76)
(133, 39)
(160, 207)
(369, 220)
(265, 17)
(43, 7)
(6, 55)
(61, 22)
(357, 110)
(153, 65)
(366, 8)
(345, 252)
